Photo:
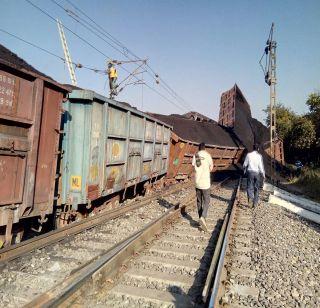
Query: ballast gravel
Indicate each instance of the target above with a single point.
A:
(23, 279)
(286, 257)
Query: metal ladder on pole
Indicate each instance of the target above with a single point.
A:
(67, 54)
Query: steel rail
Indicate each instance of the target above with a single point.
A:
(107, 265)
(219, 255)
(215, 258)
(57, 235)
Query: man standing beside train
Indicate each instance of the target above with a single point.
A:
(203, 165)
(253, 167)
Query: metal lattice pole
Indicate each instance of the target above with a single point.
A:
(269, 71)
(272, 83)
(67, 54)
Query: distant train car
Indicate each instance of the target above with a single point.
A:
(191, 129)
(30, 113)
(107, 147)
(235, 113)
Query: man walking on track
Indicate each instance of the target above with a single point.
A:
(203, 164)
(253, 167)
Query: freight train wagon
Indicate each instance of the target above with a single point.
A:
(235, 113)
(108, 147)
(102, 148)
(30, 113)
(191, 129)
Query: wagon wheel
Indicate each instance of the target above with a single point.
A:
(17, 236)
(147, 188)
(62, 220)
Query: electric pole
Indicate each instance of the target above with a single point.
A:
(271, 80)
(67, 54)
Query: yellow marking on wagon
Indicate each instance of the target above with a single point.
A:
(114, 173)
(76, 182)
(115, 149)
(94, 172)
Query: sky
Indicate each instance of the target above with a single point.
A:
(199, 48)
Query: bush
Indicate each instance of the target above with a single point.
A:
(310, 180)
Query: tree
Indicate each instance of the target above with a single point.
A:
(302, 134)
(313, 102)
(285, 118)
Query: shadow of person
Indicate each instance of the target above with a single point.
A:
(192, 222)
(180, 298)
(164, 203)
(217, 197)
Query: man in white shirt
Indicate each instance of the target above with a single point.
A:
(203, 164)
(253, 167)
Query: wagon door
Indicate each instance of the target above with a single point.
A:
(116, 148)
(157, 158)
(48, 151)
(148, 147)
(14, 141)
(135, 147)
(14, 145)
(96, 145)
(165, 149)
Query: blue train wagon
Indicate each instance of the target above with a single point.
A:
(107, 147)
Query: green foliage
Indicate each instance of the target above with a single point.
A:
(302, 134)
(285, 118)
(313, 102)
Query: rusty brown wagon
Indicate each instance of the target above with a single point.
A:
(30, 113)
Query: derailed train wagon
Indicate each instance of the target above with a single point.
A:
(191, 129)
(108, 147)
(30, 113)
(235, 113)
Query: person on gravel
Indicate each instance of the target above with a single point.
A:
(253, 168)
(203, 165)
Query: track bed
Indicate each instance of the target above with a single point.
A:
(32, 274)
(172, 270)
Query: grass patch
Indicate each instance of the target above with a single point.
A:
(309, 181)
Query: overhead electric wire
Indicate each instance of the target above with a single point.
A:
(32, 44)
(115, 40)
(78, 36)
(99, 51)
(78, 65)
(81, 23)
(109, 36)
(126, 50)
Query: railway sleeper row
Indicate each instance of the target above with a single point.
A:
(168, 270)
(34, 273)
(235, 280)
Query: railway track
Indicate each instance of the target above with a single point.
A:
(54, 236)
(34, 266)
(169, 258)
(234, 282)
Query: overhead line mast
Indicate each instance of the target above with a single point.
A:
(271, 80)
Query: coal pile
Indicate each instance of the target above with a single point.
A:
(210, 133)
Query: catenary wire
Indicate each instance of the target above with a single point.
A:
(99, 51)
(125, 51)
(78, 65)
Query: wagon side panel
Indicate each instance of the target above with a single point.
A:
(48, 151)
